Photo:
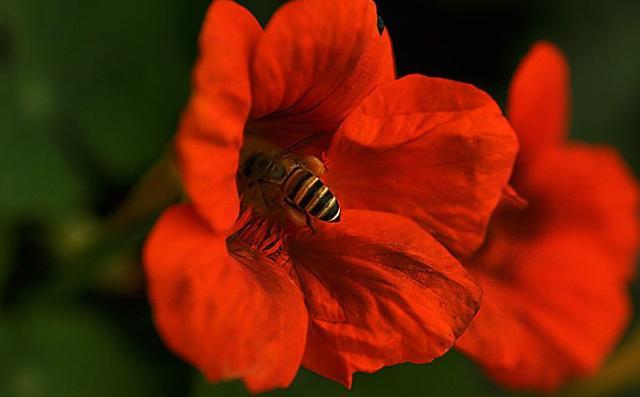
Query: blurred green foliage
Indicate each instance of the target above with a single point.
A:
(56, 350)
(91, 94)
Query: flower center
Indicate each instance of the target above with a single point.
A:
(258, 234)
(261, 226)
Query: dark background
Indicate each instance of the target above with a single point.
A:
(91, 92)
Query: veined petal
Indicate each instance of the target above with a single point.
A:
(538, 106)
(554, 312)
(436, 151)
(316, 61)
(231, 316)
(379, 291)
(210, 134)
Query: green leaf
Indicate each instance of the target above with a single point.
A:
(70, 352)
(35, 178)
(94, 91)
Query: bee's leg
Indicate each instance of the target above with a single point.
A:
(295, 215)
(308, 220)
(265, 199)
(263, 195)
(298, 217)
(314, 165)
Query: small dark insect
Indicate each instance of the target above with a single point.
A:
(380, 25)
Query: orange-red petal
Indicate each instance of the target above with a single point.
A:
(210, 134)
(379, 291)
(591, 190)
(538, 106)
(231, 316)
(554, 274)
(434, 150)
(553, 313)
(316, 61)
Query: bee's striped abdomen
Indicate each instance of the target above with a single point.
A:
(326, 208)
(307, 192)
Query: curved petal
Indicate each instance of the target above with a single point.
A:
(538, 106)
(231, 316)
(591, 189)
(316, 61)
(379, 291)
(210, 134)
(554, 312)
(433, 150)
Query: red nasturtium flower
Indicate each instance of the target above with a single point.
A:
(554, 274)
(238, 292)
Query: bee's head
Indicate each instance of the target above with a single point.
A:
(262, 167)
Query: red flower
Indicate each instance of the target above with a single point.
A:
(554, 275)
(239, 291)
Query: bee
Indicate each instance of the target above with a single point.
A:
(298, 189)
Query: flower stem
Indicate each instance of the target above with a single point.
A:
(156, 190)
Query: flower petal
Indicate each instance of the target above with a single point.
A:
(317, 60)
(553, 313)
(379, 291)
(538, 105)
(210, 134)
(232, 317)
(591, 189)
(433, 150)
